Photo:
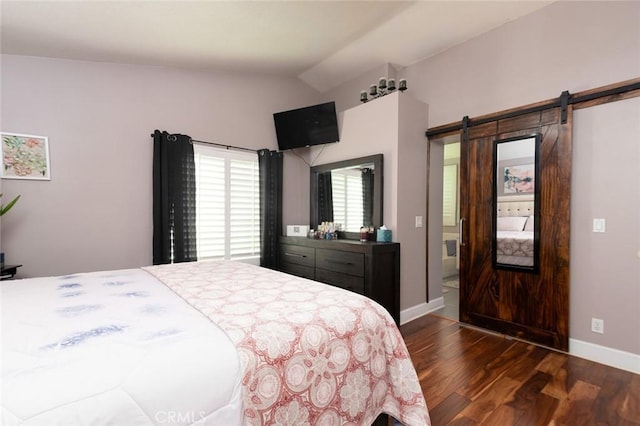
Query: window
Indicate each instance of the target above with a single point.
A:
(449, 195)
(227, 203)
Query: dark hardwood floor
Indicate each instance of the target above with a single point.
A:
(470, 377)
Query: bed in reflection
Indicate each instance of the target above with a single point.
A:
(200, 343)
(515, 233)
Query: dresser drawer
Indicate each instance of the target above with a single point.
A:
(348, 282)
(298, 255)
(299, 270)
(340, 261)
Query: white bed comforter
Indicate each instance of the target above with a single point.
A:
(113, 347)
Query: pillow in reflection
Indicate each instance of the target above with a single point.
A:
(511, 223)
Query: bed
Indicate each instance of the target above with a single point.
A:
(514, 233)
(210, 343)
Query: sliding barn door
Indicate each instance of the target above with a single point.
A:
(533, 306)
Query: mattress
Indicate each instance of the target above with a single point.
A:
(311, 354)
(114, 348)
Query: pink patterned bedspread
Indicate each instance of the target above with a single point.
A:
(312, 354)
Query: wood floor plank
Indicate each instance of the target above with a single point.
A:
(503, 415)
(614, 398)
(526, 366)
(630, 406)
(579, 369)
(446, 410)
(530, 405)
(470, 378)
(552, 363)
(492, 397)
(576, 407)
(557, 387)
(491, 367)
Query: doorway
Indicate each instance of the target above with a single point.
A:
(444, 197)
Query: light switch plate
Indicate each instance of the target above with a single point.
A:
(599, 225)
(418, 221)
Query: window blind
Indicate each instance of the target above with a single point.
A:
(345, 186)
(227, 203)
(449, 195)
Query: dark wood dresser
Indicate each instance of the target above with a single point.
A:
(368, 268)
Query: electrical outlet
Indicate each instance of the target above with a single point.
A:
(597, 325)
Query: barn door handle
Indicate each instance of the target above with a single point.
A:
(461, 231)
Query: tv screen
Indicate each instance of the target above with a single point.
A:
(313, 125)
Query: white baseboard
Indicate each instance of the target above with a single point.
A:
(419, 310)
(604, 355)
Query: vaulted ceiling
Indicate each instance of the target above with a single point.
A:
(324, 43)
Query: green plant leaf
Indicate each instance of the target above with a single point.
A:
(4, 209)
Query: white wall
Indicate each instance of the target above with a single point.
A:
(95, 213)
(411, 202)
(605, 267)
(565, 46)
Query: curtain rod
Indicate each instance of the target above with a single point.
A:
(564, 100)
(241, 148)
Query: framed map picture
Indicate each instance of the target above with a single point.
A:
(25, 157)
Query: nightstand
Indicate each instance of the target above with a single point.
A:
(8, 271)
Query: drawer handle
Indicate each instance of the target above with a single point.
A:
(340, 262)
(295, 254)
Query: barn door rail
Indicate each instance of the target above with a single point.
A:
(612, 92)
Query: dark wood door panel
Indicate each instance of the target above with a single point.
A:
(531, 306)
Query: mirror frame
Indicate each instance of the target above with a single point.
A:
(535, 268)
(378, 182)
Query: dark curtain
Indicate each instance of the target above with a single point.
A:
(325, 198)
(174, 199)
(367, 197)
(270, 165)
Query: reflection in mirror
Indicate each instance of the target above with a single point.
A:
(347, 193)
(346, 196)
(515, 218)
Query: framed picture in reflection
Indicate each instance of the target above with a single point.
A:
(518, 177)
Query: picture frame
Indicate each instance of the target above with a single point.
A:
(25, 157)
(518, 177)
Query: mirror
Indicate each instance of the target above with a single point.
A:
(515, 203)
(349, 193)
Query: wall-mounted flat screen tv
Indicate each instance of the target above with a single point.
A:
(313, 125)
